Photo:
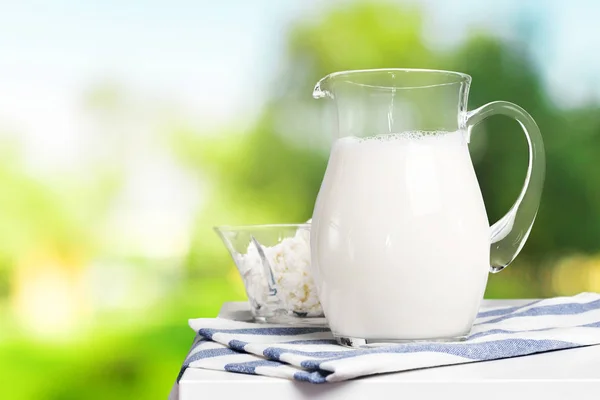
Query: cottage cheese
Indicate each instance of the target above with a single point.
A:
(290, 263)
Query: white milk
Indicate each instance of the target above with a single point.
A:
(400, 237)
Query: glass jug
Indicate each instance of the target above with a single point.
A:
(400, 241)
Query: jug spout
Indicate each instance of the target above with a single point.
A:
(322, 89)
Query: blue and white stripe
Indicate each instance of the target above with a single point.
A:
(310, 353)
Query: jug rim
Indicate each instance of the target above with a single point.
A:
(460, 77)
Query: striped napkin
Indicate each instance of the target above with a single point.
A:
(310, 353)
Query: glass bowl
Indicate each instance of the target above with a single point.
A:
(274, 263)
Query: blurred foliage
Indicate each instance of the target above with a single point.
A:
(270, 172)
(52, 213)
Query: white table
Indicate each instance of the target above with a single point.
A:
(567, 374)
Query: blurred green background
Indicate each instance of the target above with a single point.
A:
(128, 131)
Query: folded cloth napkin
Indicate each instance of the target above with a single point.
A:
(310, 353)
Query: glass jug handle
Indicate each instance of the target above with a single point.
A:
(509, 234)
